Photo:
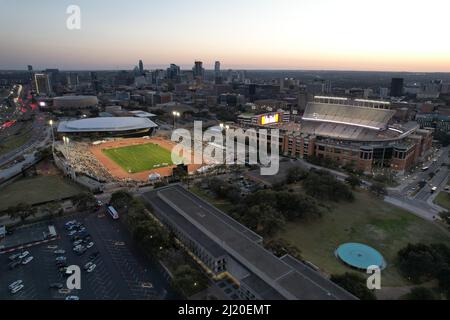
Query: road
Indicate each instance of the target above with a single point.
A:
(39, 132)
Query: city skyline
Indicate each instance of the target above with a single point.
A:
(281, 35)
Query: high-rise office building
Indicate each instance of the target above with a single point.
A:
(396, 87)
(42, 84)
(173, 72)
(141, 67)
(217, 69)
(30, 68)
(72, 79)
(217, 73)
(198, 69)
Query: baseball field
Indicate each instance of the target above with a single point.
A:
(138, 158)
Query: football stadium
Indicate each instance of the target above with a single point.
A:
(357, 132)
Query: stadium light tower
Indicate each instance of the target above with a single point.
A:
(176, 114)
(53, 135)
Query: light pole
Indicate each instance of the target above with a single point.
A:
(175, 115)
(53, 136)
(66, 143)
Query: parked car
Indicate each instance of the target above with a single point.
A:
(91, 268)
(17, 289)
(14, 256)
(77, 242)
(72, 298)
(60, 251)
(88, 265)
(61, 258)
(71, 233)
(23, 254)
(15, 284)
(90, 245)
(27, 260)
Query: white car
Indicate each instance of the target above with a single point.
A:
(88, 265)
(91, 268)
(90, 245)
(14, 256)
(23, 254)
(77, 243)
(27, 260)
(74, 298)
(71, 233)
(15, 284)
(60, 251)
(17, 288)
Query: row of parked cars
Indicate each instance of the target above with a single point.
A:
(17, 259)
(20, 258)
(79, 236)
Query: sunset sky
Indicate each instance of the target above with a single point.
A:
(397, 35)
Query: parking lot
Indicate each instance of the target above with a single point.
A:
(119, 272)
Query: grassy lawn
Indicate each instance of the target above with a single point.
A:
(36, 190)
(443, 200)
(140, 157)
(367, 220)
(14, 142)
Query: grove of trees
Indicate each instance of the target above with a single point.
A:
(421, 262)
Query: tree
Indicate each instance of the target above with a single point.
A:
(263, 219)
(121, 200)
(296, 174)
(420, 293)
(355, 284)
(443, 278)
(378, 189)
(322, 185)
(188, 281)
(353, 181)
(21, 211)
(84, 201)
(281, 247)
(154, 238)
(417, 262)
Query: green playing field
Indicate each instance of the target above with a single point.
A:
(140, 158)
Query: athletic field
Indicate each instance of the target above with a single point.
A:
(138, 158)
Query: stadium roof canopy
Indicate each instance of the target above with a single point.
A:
(106, 124)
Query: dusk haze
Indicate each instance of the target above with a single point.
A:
(401, 35)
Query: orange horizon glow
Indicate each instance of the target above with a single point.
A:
(360, 35)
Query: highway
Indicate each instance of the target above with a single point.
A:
(39, 131)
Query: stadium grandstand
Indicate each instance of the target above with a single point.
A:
(364, 117)
(357, 132)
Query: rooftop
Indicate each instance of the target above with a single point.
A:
(266, 270)
(106, 124)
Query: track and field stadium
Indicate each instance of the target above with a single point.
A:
(118, 148)
(137, 158)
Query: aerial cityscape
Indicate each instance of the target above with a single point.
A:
(231, 151)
